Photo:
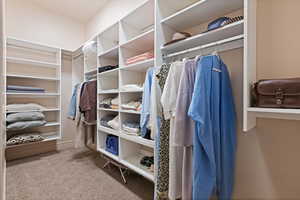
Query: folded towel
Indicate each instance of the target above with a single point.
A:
(24, 88)
(17, 126)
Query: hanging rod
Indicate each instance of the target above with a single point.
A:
(234, 43)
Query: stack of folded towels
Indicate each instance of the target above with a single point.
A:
(139, 58)
(21, 117)
(134, 105)
(131, 127)
(110, 103)
(24, 89)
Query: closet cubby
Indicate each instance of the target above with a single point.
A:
(101, 145)
(90, 57)
(132, 77)
(128, 97)
(35, 65)
(138, 23)
(195, 18)
(132, 153)
(108, 40)
(108, 81)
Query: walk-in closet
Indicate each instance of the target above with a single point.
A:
(149, 99)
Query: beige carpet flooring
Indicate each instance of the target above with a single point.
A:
(72, 175)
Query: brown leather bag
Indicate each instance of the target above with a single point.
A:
(276, 93)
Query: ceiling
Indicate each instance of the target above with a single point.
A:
(80, 10)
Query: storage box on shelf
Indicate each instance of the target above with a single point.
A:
(35, 65)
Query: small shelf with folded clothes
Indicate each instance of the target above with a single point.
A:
(225, 23)
(109, 102)
(30, 138)
(137, 22)
(130, 124)
(138, 158)
(131, 80)
(109, 122)
(27, 120)
(23, 85)
(131, 103)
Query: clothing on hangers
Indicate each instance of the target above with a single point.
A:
(168, 101)
(88, 101)
(184, 127)
(213, 110)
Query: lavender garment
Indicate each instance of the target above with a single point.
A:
(184, 128)
(184, 125)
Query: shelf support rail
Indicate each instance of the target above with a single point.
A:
(232, 43)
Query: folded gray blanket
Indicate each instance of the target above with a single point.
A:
(24, 88)
(25, 116)
(17, 126)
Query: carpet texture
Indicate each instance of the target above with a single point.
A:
(72, 175)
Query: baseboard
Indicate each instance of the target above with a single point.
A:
(63, 145)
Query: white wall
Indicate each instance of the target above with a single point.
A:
(2, 102)
(112, 12)
(30, 22)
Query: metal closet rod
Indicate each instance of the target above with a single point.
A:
(206, 46)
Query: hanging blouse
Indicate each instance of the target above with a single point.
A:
(168, 101)
(161, 128)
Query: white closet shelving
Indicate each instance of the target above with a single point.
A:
(131, 36)
(36, 65)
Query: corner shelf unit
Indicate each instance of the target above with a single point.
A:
(36, 65)
(129, 37)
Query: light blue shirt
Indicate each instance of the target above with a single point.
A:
(73, 103)
(145, 112)
(213, 110)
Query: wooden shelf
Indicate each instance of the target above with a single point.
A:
(112, 91)
(108, 130)
(113, 72)
(225, 32)
(110, 53)
(47, 139)
(200, 12)
(145, 40)
(43, 110)
(275, 113)
(52, 124)
(110, 155)
(137, 139)
(31, 77)
(91, 72)
(130, 112)
(142, 66)
(32, 94)
(31, 62)
(107, 109)
(133, 162)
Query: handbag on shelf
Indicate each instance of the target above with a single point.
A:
(277, 93)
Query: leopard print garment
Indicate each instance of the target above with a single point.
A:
(162, 185)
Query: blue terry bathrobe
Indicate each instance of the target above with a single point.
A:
(212, 108)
